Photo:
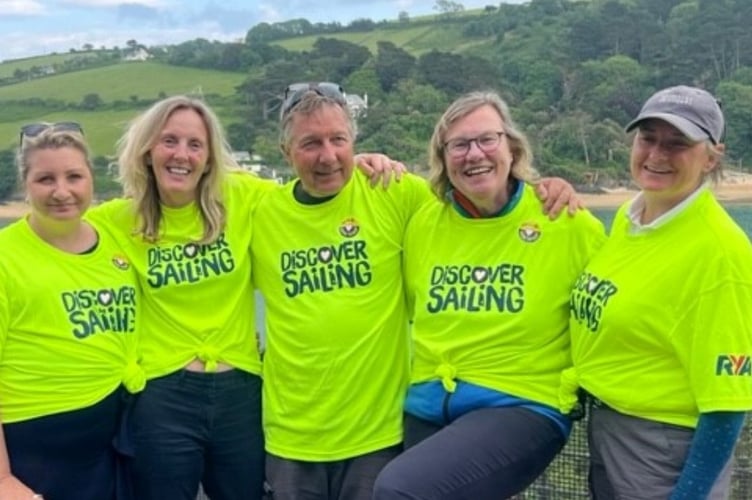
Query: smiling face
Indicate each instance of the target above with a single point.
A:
(320, 150)
(58, 184)
(179, 157)
(666, 165)
(482, 175)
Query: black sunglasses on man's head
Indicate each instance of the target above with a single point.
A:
(34, 129)
(294, 93)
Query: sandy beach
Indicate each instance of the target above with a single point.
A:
(13, 209)
(733, 190)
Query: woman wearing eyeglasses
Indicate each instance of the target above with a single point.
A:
(488, 279)
(68, 302)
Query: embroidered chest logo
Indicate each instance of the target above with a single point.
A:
(529, 232)
(349, 228)
(121, 263)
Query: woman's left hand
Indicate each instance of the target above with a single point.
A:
(556, 193)
(378, 166)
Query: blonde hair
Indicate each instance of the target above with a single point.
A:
(137, 176)
(49, 138)
(522, 153)
(716, 151)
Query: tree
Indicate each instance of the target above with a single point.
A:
(448, 8)
(392, 64)
(8, 183)
(91, 101)
(403, 17)
(340, 57)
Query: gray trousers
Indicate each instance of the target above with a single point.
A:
(348, 479)
(486, 454)
(633, 458)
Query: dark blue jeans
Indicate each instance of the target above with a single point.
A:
(68, 455)
(486, 454)
(190, 427)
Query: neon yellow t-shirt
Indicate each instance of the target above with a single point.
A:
(490, 296)
(67, 325)
(197, 299)
(662, 320)
(335, 366)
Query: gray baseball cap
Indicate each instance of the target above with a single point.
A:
(695, 112)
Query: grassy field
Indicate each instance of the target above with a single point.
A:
(121, 81)
(416, 39)
(102, 128)
(8, 68)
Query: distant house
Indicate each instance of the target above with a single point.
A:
(243, 158)
(256, 164)
(137, 54)
(358, 105)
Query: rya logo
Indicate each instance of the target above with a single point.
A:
(733, 364)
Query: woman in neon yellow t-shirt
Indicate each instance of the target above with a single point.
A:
(661, 317)
(185, 223)
(487, 276)
(68, 300)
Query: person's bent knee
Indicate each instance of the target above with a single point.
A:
(392, 483)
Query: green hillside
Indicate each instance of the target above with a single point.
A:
(7, 68)
(102, 128)
(415, 39)
(121, 81)
(128, 82)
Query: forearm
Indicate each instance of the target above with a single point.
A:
(4, 460)
(10, 487)
(712, 445)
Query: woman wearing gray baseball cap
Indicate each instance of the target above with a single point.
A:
(661, 318)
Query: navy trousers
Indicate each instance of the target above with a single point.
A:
(68, 455)
(190, 428)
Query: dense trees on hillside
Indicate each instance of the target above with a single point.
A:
(574, 73)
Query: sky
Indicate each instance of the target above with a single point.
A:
(36, 27)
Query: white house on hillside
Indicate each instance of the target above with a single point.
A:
(139, 54)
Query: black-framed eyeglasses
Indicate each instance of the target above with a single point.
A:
(34, 129)
(294, 93)
(487, 143)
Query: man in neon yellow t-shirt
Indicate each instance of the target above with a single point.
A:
(326, 255)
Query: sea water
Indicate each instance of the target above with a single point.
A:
(741, 213)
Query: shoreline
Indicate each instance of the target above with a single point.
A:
(729, 193)
(734, 192)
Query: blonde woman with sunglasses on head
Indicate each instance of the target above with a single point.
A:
(68, 301)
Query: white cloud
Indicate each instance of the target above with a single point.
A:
(115, 3)
(21, 8)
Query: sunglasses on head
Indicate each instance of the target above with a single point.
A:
(294, 93)
(34, 129)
